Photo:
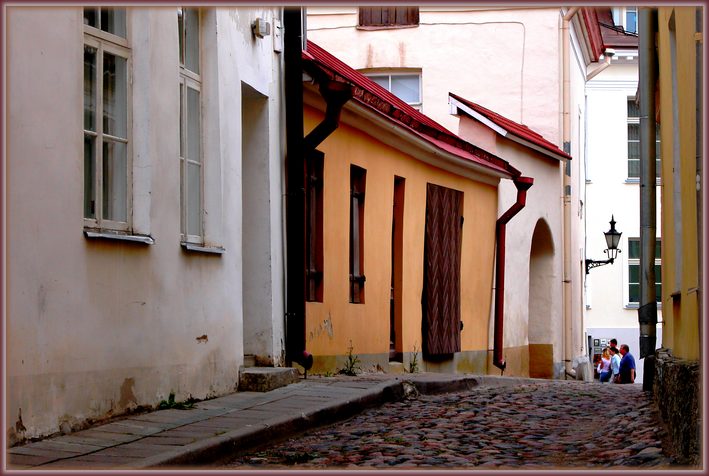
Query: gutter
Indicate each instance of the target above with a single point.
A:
(523, 184)
(567, 288)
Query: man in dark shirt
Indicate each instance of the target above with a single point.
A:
(627, 365)
(614, 345)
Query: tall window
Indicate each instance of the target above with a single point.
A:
(107, 187)
(388, 16)
(406, 86)
(314, 226)
(358, 178)
(190, 125)
(634, 141)
(634, 270)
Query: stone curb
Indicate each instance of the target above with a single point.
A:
(215, 448)
(219, 447)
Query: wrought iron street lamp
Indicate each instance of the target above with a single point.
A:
(612, 241)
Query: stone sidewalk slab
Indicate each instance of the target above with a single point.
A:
(216, 428)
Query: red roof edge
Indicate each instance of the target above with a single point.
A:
(516, 129)
(590, 20)
(376, 97)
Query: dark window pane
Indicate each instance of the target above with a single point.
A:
(633, 248)
(115, 181)
(634, 293)
(89, 88)
(634, 273)
(115, 96)
(633, 109)
(89, 171)
(113, 20)
(192, 39)
(181, 33)
(633, 132)
(91, 17)
(633, 168)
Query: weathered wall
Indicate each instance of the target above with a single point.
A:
(98, 327)
(332, 324)
(677, 394)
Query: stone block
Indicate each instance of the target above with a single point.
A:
(265, 379)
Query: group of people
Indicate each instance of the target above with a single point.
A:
(617, 365)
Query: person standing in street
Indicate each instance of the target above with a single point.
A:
(614, 345)
(627, 365)
(604, 366)
(615, 365)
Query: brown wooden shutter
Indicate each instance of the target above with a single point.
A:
(388, 16)
(441, 289)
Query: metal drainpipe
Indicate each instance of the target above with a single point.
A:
(336, 94)
(647, 313)
(523, 184)
(566, 218)
(295, 187)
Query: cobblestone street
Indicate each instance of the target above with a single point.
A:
(556, 424)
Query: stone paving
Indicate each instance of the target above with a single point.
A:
(535, 425)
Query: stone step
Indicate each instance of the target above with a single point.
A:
(265, 379)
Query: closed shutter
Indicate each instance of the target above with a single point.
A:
(388, 16)
(441, 289)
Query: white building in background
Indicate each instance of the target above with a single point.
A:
(528, 64)
(612, 189)
(144, 208)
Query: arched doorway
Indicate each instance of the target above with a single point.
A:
(541, 284)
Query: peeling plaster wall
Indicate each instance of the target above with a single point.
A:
(98, 327)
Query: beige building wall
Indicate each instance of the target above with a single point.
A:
(97, 327)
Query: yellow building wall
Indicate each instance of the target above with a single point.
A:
(334, 323)
(680, 241)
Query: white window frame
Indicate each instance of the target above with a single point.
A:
(626, 274)
(636, 121)
(193, 80)
(105, 42)
(393, 73)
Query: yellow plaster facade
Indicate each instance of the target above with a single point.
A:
(681, 218)
(334, 324)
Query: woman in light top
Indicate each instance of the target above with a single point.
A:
(604, 366)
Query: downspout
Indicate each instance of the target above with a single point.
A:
(607, 55)
(523, 184)
(336, 94)
(647, 73)
(566, 139)
(295, 186)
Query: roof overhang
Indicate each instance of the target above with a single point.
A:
(461, 106)
(420, 146)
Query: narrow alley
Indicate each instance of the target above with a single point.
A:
(554, 424)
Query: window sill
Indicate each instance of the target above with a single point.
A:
(215, 250)
(636, 181)
(115, 235)
(635, 306)
(384, 27)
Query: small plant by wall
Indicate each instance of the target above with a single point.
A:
(413, 366)
(352, 363)
(171, 403)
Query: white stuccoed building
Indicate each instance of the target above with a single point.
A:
(612, 189)
(143, 207)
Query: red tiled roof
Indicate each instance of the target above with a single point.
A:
(512, 127)
(614, 36)
(374, 96)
